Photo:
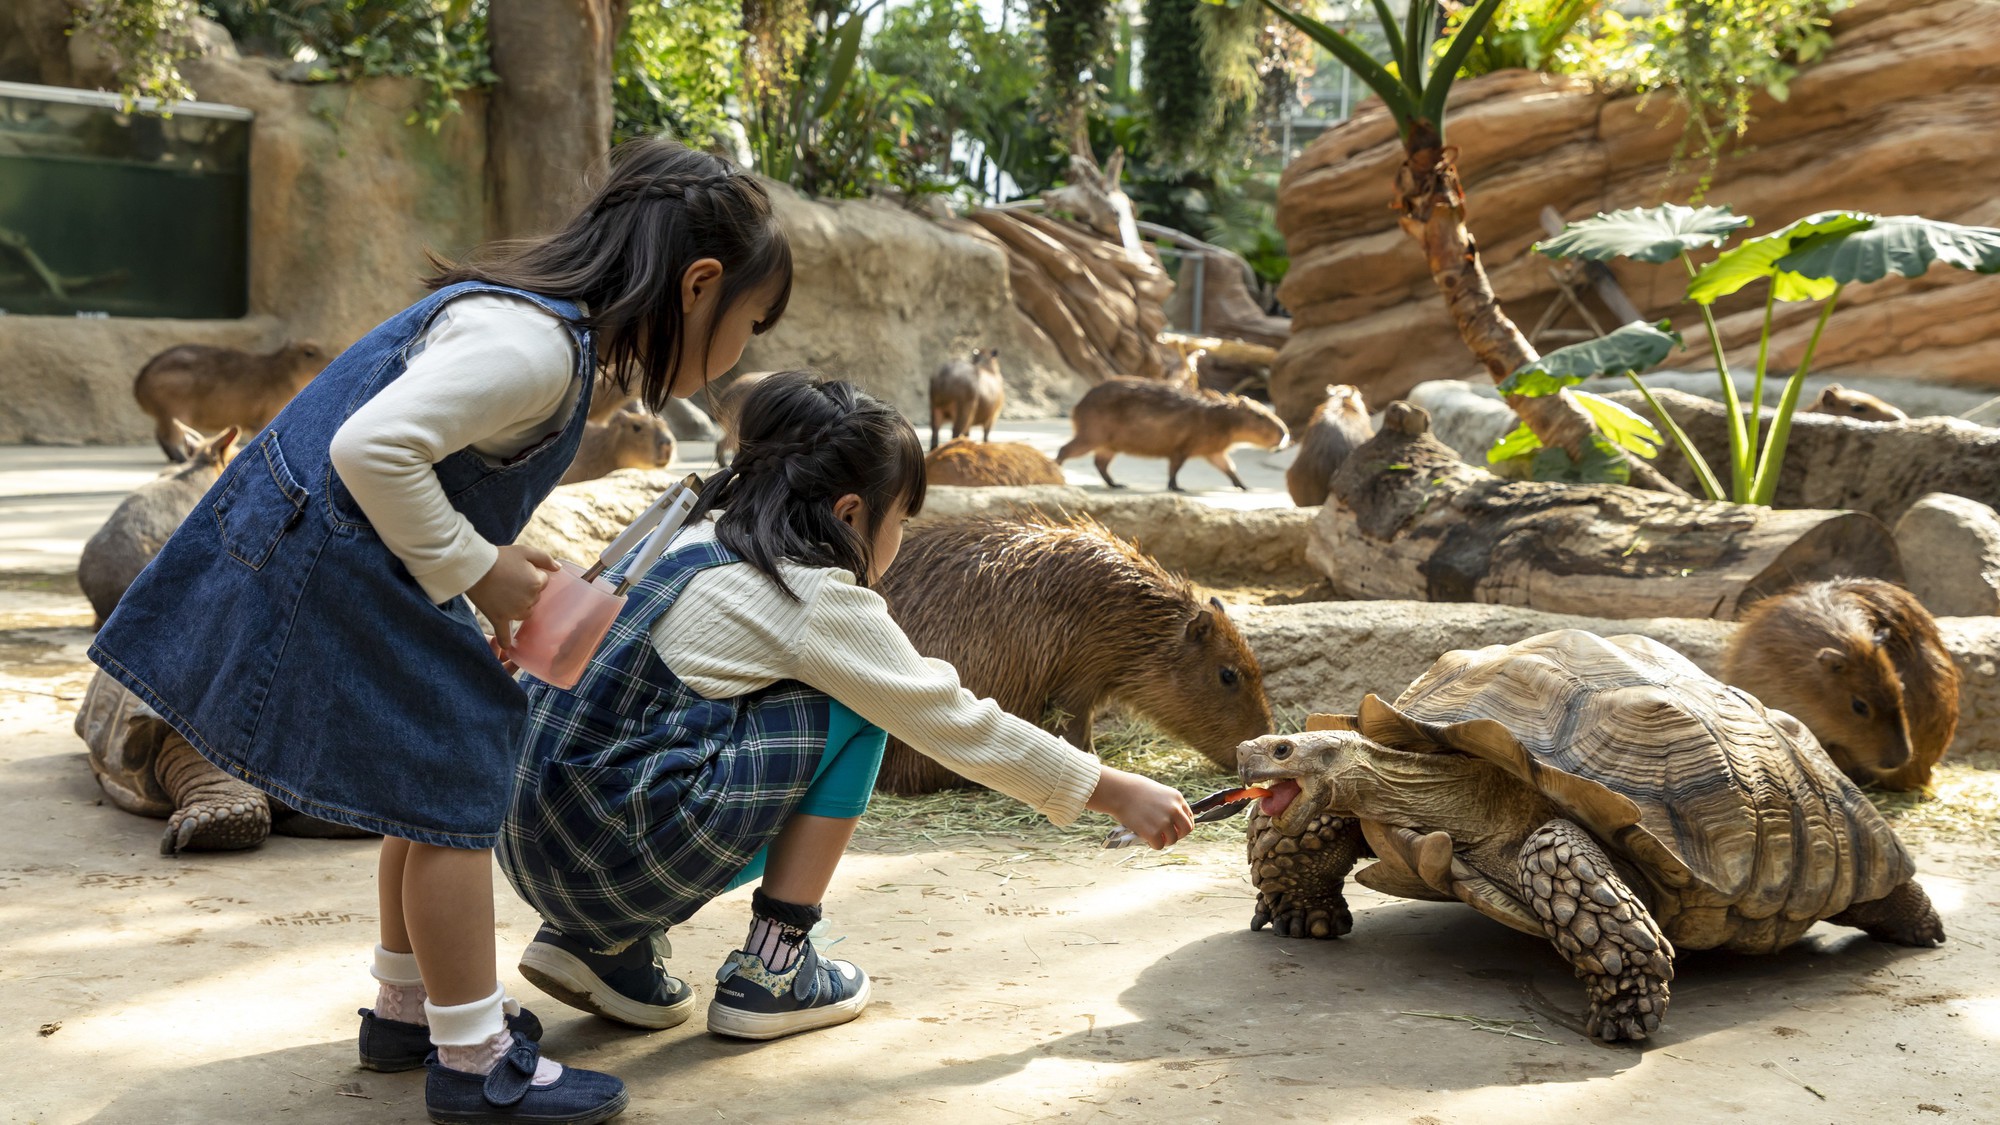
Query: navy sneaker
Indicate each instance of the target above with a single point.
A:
(508, 1096)
(392, 1045)
(752, 1002)
(630, 987)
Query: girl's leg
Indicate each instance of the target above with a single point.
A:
(448, 916)
(399, 994)
(389, 893)
(804, 856)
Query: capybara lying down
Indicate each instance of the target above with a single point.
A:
(968, 394)
(1859, 661)
(1056, 621)
(1836, 399)
(965, 463)
(1338, 426)
(1151, 419)
(210, 389)
(631, 438)
(141, 523)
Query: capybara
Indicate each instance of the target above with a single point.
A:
(141, 523)
(630, 439)
(1836, 399)
(968, 394)
(210, 389)
(1861, 664)
(1152, 419)
(727, 404)
(976, 464)
(1337, 428)
(1055, 620)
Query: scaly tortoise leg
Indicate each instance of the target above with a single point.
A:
(212, 810)
(1601, 927)
(1904, 916)
(1298, 878)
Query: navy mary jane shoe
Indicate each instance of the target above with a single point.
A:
(508, 1096)
(392, 1045)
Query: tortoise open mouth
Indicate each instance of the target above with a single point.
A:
(1279, 798)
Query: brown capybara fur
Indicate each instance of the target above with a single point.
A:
(211, 389)
(1861, 664)
(968, 394)
(1338, 426)
(964, 463)
(1055, 621)
(727, 406)
(631, 438)
(1152, 419)
(1861, 405)
(141, 523)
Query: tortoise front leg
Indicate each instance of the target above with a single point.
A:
(1601, 927)
(1298, 878)
(1904, 916)
(212, 810)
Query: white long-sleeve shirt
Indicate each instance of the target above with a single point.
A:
(732, 631)
(494, 374)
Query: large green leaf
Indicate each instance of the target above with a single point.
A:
(1601, 464)
(1519, 442)
(1756, 258)
(1627, 430)
(1445, 72)
(846, 48)
(1900, 244)
(1631, 347)
(1394, 94)
(1644, 234)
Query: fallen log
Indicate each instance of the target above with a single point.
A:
(1407, 519)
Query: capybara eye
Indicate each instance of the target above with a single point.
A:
(1281, 751)
(1229, 677)
(1860, 708)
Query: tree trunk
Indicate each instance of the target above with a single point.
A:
(551, 110)
(1432, 206)
(1407, 519)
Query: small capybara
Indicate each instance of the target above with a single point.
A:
(965, 463)
(1152, 419)
(210, 389)
(1055, 620)
(630, 438)
(141, 523)
(968, 394)
(1860, 663)
(727, 405)
(1836, 399)
(1338, 427)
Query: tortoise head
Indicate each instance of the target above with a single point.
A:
(1299, 770)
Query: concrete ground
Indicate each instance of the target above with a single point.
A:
(1017, 980)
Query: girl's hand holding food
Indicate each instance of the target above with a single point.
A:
(1155, 813)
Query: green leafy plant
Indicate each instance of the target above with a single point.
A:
(440, 43)
(676, 70)
(149, 38)
(1526, 34)
(1812, 259)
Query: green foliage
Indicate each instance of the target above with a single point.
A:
(149, 38)
(1415, 86)
(981, 82)
(1201, 83)
(1644, 234)
(1756, 259)
(1526, 34)
(1602, 463)
(1076, 49)
(441, 43)
(676, 70)
(1632, 347)
(1619, 425)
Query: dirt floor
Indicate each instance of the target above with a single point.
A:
(1021, 977)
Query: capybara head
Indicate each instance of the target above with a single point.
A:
(643, 440)
(987, 360)
(1836, 399)
(1258, 424)
(1210, 692)
(303, 359)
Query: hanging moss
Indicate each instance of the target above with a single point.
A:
(1076, 46)
(1201, 81)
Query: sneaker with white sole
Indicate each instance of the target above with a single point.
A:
(752, 1002)
(631, 986)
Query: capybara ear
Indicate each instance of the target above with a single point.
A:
(1832, 659)
(1217, 603)
(1199, 625)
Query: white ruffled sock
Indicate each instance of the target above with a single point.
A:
(400, 995)
(473, 1038)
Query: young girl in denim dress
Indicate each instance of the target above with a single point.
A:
(731, 725)
(332, 572)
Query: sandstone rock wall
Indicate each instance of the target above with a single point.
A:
(1896, 119)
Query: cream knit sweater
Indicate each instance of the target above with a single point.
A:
(732, 632)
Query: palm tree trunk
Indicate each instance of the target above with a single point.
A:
(1432, 206)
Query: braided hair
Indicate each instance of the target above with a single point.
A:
(660, 208)
(804, 443)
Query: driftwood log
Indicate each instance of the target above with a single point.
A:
(1832, 462)
(1407, 519)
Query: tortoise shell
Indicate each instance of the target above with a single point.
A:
(1742, 826)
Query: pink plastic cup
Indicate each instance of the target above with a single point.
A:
(569, 621)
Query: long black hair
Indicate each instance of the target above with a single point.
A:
(804, 442)
(661, 208)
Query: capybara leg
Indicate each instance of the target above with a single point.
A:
(1074, 447)
(172, 441)
(1174, 473)
(1228, 467)
(1299, 878)
(212, 810)
(1104, 469)
(1904, 916)
(1601, 927)
(935, 420)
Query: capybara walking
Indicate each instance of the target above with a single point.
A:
(1152, 419)
(1056, 620)
(630, 438)
(210, 389)
(965, 463)
(141, 523)
(1836, 399)
(968, 394)
(1337, 428)
(1861, 664)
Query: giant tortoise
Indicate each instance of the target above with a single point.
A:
(1603, 793)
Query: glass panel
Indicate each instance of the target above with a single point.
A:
(104, 212)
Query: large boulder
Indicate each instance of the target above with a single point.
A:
(1951, 555)
(1894, 119)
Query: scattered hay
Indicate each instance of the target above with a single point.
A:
(1963, 802)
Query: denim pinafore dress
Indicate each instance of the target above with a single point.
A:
(279, 635)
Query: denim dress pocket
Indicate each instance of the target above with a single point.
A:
(590, 813)
(257, 502)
